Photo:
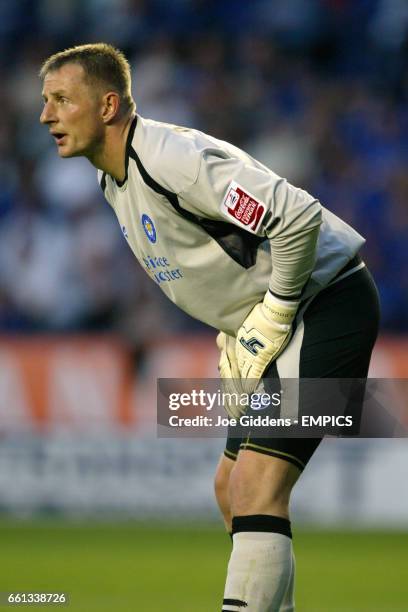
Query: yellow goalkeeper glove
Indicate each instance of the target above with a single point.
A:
(230, 376)
(263, 336)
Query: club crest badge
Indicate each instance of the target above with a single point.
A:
(149, 228)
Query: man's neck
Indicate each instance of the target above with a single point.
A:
(111, 157)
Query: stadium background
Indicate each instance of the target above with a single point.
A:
(92, 503)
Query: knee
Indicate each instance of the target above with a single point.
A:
(221, 484)
(254, 490)
(221, 488)
(251, 497)
(245, 494)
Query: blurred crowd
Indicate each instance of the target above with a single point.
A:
(316, 89)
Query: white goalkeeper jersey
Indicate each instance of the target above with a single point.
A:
(214, 228)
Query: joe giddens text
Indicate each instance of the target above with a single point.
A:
(245, 420)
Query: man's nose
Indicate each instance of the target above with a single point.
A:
(47, 114)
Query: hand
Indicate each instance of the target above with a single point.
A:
(230, 376)
(263, 336)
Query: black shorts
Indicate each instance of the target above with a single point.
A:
(334, 337)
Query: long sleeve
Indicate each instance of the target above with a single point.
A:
(245, 193)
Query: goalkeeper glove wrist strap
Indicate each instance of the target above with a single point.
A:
(278, 310)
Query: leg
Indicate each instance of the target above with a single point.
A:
(288, 603)
(221, 487)
(261, 568)
(334, 338)
(261, 484)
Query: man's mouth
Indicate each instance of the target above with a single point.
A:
(59, 137)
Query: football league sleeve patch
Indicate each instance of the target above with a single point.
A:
(239, 206)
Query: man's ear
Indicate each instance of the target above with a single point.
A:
(110, 107)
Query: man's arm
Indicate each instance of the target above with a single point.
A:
(257, 200)
(262, 203)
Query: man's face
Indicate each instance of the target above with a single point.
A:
(72, 111)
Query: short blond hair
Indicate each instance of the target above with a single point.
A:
(102, 64)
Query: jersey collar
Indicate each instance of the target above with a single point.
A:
(127, 151)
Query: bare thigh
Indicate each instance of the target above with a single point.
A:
(221, 486)
(261, 484)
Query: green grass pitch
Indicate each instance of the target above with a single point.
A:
(134, 567)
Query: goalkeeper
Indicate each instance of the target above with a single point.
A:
(238, 247)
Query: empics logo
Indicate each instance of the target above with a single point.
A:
(149, 228)
(243, 207)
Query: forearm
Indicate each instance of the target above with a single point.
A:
(293, 259)
(268, 327)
